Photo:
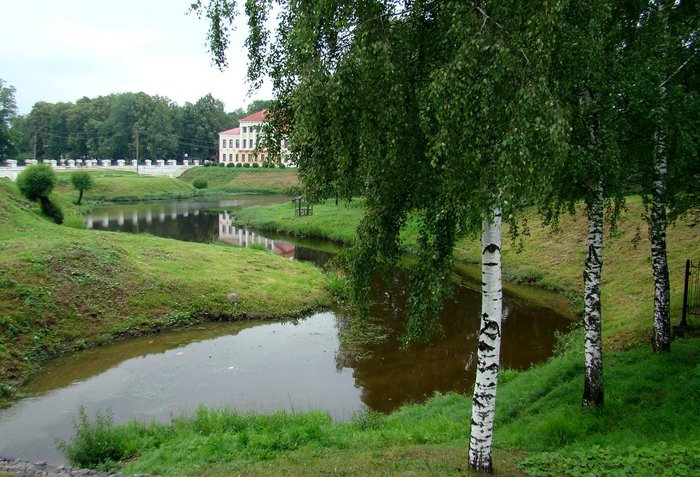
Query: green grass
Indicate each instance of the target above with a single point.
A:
(114, 186)
(236, 179)
(651, 401)
(64, 288)
(337, 223)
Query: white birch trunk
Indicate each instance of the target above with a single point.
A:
(661, 337)
(488, 356)
(593, 390)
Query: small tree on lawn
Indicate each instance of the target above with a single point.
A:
(81, 181)
(36, 183)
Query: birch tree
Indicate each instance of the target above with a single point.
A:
(587, 72)
(663, 56)
(435, 110)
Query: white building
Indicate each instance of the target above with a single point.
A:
(237, 145)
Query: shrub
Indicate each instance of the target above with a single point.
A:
(230, 164)
(200, 183)
(36, 181)
(238, 164)
(81, 181)
(246, 165)
(256, 165)
(281, 166)
(95, 445)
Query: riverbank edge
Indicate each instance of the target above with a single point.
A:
(24, 468)
(42, 241)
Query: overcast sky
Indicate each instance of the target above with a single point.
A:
(63, 50)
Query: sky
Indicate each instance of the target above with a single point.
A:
(61, 51)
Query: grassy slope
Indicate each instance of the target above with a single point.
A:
(238, 179)
(649, 426)
(63, 288)
(123, 186)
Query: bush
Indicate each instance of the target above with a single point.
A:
(81, 181)
(230, 164)
(246, 165)
(95, 445)
(238, 164)
(36, 181)
(200, 183)
(221, 164)
(256, 165)
(281, 166)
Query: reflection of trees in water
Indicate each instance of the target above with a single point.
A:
(390, 376)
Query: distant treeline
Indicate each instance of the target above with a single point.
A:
(114, 126)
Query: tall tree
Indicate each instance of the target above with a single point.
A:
(8, 111)
(433, 110)
(663, 51)
(586, 76)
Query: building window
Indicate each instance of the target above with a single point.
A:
(250, 158)
(252, 144)
(238, 143)
(244, 143)
(236, 157)
(243, 129)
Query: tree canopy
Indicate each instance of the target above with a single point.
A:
(108, 126)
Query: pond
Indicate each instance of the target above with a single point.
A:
(264, 366)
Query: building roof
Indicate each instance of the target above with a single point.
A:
(231, 131)
(259, 116)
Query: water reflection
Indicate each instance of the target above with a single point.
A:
(194, 221)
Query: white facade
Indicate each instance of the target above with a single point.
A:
(237, 146)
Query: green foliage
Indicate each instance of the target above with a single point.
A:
(200, 183)
(8, 112)
(661, 459)
(255, 165)
(36, 181)
(97, 444)
(82, 181)
(238, 164)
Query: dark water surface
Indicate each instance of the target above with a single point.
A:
(263, 366)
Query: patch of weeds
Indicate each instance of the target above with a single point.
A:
(367, 419)
(96, 444)
(257, 246)
(179, 318)
(662, 459)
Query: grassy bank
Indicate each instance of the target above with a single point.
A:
(238, 179)
(63, 289)
(649, 425)
(117, 186)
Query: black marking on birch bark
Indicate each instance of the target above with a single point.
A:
(489, 264)
(491, 248)
(483, 346)
(490, 329)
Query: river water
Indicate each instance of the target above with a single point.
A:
(263, 366)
